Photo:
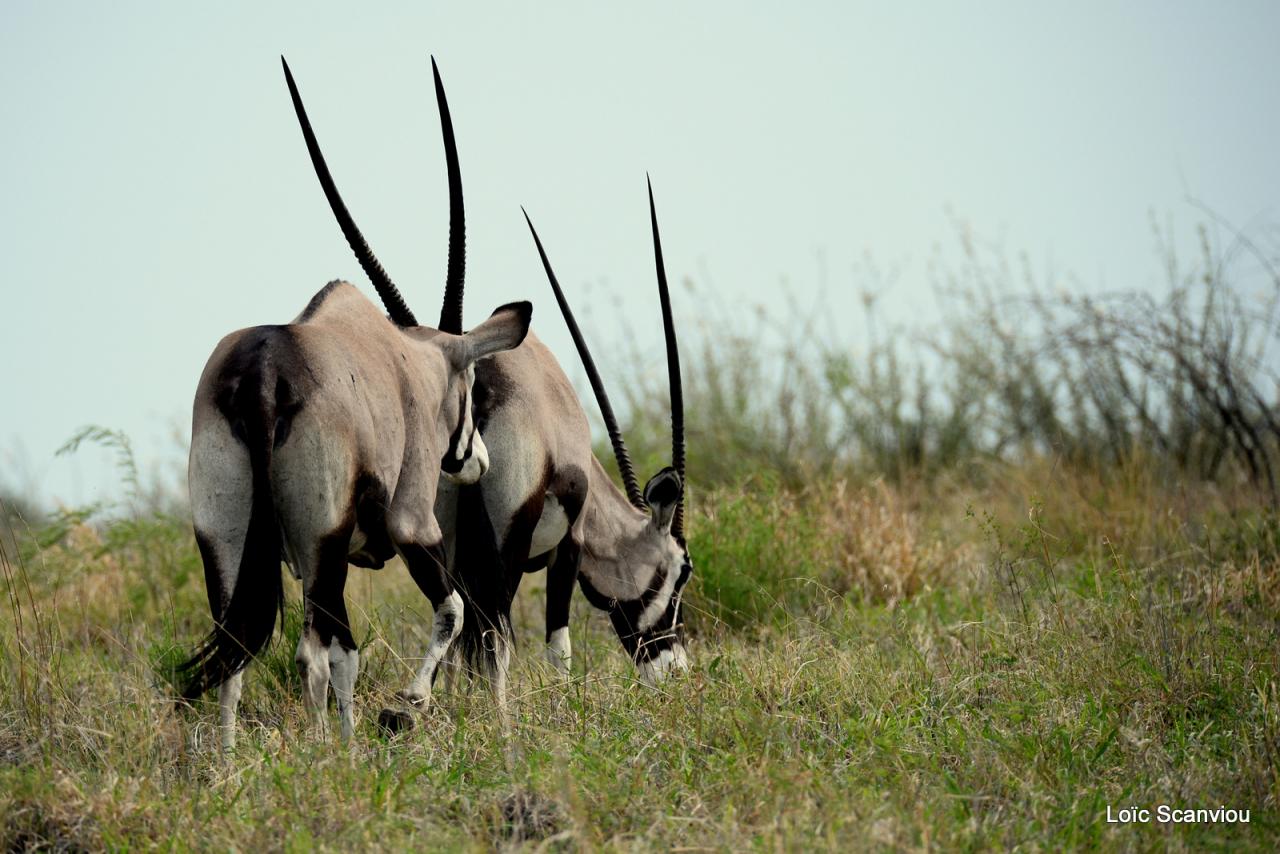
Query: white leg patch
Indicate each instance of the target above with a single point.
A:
(560, 651)
(344, 664)
(228, 701)
(313, 666)
(450, 670)
(447, 625)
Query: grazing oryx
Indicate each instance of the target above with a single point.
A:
(322, 441)
(547, 501)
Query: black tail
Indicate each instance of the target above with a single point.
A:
(484, 586)
(248, 611)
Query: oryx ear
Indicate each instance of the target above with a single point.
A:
(504, 330)
(662, 494)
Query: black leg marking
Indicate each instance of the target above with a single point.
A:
(427, 569)
(327, 611)
(561, 576)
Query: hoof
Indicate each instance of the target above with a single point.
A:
(394, 721)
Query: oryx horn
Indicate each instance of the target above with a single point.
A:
(451, 310)
(673, 366)
(382, 283)
(625, 468)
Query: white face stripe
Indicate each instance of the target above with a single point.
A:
(655, 609)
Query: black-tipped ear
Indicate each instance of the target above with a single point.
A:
(505, 329)
(662, 494)
(523, 310)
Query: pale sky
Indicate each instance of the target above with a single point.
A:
(155, 192)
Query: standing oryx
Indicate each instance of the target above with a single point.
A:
(547, 501)
(323, 441)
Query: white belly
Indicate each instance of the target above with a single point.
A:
(551, 528)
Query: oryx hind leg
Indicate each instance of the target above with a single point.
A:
(221, 483)
(326, 651)
(228, 702)
(501, 670)
(315, 476)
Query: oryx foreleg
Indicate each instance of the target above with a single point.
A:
(426, 563)
(562, 575)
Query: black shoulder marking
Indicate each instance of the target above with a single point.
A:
(318, 300)
(569, 485)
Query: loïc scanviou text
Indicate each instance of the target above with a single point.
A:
(1165, 814)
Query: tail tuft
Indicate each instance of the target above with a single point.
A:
(244, 631)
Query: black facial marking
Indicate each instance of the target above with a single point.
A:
(643, 645)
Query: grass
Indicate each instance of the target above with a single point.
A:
(962, 603)
(937, 667)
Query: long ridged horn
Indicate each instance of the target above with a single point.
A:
(451, 311)
(673, 366)
(625, 468)
(391, 299)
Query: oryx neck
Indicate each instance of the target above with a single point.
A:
(614, 555)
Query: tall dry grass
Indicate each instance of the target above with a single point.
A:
(1020, 368)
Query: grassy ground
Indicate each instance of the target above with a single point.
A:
(975, 662)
